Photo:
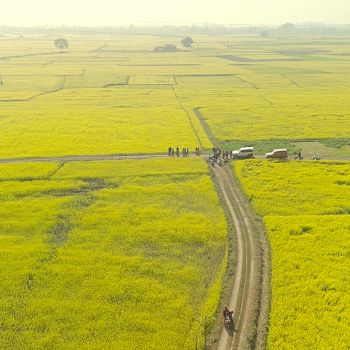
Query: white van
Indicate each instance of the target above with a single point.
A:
(243, 153)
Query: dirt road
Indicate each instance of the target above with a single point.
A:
(115, 157)
(82, 158)
(249, 298)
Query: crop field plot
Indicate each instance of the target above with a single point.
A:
(305, 206)
(45, 97)
(296, 188)
(151, 80)
(32, 83)
(280, 70)
(324, 80)
(207, 82)
(95, 121)
(44, 71)
(110, 255)
(270, 84)
(93, 79)
(310, 283)
(15, 46)
(280, 96)
(288, 114)
(332, 148)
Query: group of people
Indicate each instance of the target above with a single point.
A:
(176, 151)
(185, 152)
(299, 156)
(172, 152)
(225, 154)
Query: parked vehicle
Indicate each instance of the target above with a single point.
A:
(243, 153)
(280, 153)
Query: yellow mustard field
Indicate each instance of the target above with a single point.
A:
(121, 97)
(276, 113)
(112, 255)
(306, 208)
(310, 284)
(131, 254)
(91, 101)
(296, 188)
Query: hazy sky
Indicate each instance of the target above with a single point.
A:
(110, 12)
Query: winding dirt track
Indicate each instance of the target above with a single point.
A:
(251, 283)
(244, 271)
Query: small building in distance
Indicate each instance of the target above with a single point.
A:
(170, 47)
(166, 48)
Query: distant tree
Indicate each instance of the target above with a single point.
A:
(288, 28)
(187, 42)
(288, 24)
(61, 43)
(265, 34)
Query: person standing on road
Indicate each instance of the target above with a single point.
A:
(169, 151)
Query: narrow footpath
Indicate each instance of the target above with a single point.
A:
(250, 291)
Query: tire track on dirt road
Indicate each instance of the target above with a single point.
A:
(250, 292)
